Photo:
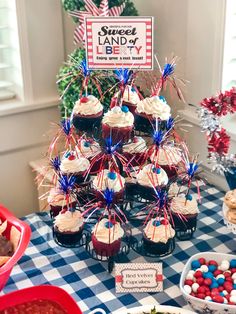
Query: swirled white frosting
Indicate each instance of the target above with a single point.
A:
(56, 197)
(117, 118)
(173, 190)
(182, 206)
(88, 148)
(154, 106)
(102, 181)
(138, 145)
(168, 155)
(147, 177)
(161, 233)
(78, 164)
(130, 95)
(69, 221)
(107, 235)
(90, 107)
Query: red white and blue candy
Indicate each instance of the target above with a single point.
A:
(212, 281)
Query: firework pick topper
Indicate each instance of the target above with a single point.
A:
(139, 277)
(119, 42)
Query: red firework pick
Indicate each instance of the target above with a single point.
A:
(218, 142)
(222, 104)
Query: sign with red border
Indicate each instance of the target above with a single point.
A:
(114, 42)
(138, 277)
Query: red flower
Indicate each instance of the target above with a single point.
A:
(219, 142)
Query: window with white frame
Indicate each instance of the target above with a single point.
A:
(229, 60)
(10, 63)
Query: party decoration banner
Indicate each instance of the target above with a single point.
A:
(119, 42)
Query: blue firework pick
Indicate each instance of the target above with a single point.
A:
(123, 75)
(108, 196)
(168, 70)
(162, 197)
(56, 162)
(67, 184)
(109, 147)
(192, 168)
(158, 137)
(170, 123)
(84, 68)
(66, 126)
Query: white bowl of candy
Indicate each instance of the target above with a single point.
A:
(208, 283)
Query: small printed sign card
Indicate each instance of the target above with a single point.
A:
(113, 42)
(138, 277)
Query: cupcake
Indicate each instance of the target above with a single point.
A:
(230, 205)
(87, 113)
(135, 151)
(68, 227)
(74, 164)
(90, 149)
(57, 201)
(118, 124)
(130, 98)
(158, 237)
(106, 237)
(148, 110)
(184, 210)
(109, 180)
(168, 158)
(148, 178)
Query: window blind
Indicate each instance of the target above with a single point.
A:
(10, 64)
(229, 62)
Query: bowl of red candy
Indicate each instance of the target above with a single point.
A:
(208, 283)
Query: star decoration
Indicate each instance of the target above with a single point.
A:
(92, 10)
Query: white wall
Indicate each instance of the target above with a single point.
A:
(23, 125)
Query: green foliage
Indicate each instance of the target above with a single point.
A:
(73, 92)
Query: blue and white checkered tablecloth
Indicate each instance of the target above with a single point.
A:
(89, 282)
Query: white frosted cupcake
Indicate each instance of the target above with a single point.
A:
(74, 164)
(118, 123)
(106, 237)
(148, 178)
(68, 227)
(157, 236)
(168, 157)
(87, 113)
(184, 211)
(135, 151)
(90, 149)
(149, 109)
(112, 181)
(130, 98)
(57, 201)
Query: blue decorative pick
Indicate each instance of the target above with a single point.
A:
(123, 75)
(111, 175)
(158, 137)
(56, 162)
(110, 148)
(170, 124)
(192, 168)
(108, 224)
(108, 196)
(67, 183)
(124, 109)
(66, 126)
(168, 70)
(162, 196)
(189, 197)
(84, 68)
(156, 223)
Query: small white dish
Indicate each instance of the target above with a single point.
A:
(203, 306)
(230, 225)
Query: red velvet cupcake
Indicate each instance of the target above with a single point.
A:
(118, 124)
(135, 151)
(57, 201)
(106, 238)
